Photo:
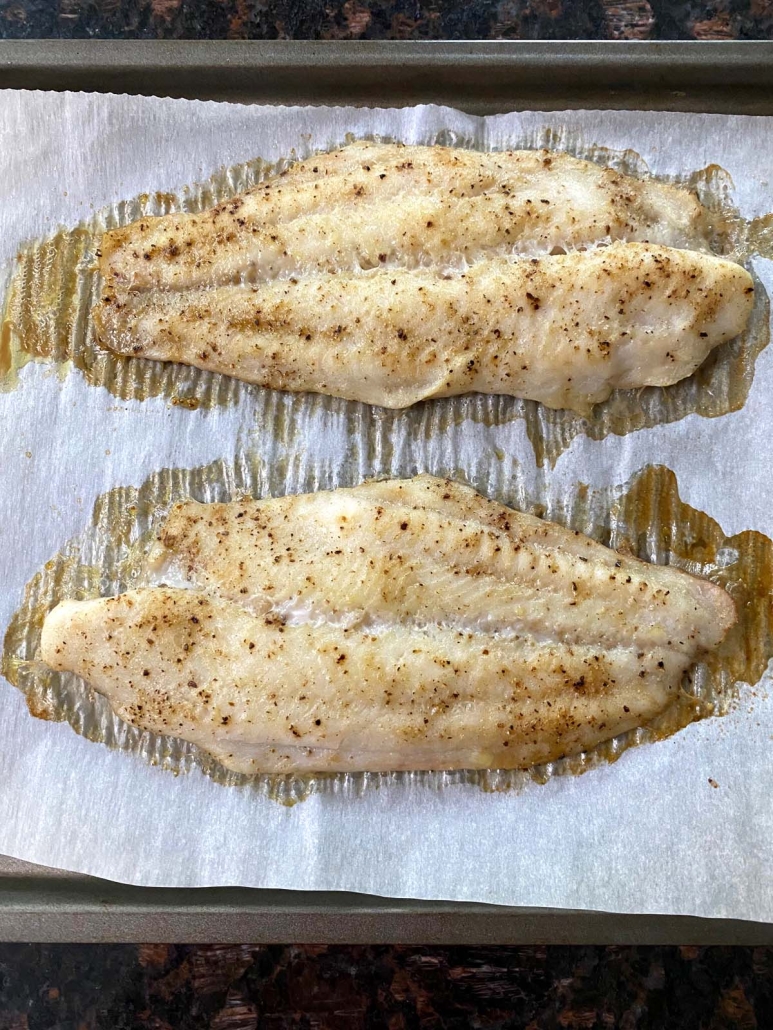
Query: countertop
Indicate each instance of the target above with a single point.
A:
(387, 19)
(244, 987)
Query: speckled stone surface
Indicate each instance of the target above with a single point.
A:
(244, 987)
(388, 19)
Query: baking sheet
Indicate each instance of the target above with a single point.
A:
(649, 833)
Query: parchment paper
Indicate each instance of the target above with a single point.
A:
(649, 833)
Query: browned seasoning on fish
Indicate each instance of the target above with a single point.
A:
(371, 204)
(409, 624)
(564, 330)
(391, 274)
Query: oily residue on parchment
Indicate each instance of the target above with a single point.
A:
(47, 316)
(47, 311)
(646, 517)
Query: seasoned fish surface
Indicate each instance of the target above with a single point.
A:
(392, 274)
(373, 204)
(401, 550)
(397, 625)
(564, 330)
(261, 696)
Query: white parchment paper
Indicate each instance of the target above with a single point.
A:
(647, 834)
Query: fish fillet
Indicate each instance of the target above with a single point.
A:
(565, 330)
(397, 625)
(373, 204)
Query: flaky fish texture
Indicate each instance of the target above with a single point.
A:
(407, 624)
(372, 204)
(391, 274)
(565, 330)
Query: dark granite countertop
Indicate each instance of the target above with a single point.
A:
(247, 987)
(388, 19)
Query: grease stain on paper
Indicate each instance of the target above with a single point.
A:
(646, 517)
(47, 317)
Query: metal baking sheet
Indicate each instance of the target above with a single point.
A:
(44, 905)
(47, 905)
(477, 77)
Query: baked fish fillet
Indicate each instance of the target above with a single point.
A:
(565, 330)
(373, 204)
(398, 625)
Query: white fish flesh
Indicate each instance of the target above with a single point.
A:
(565, 330)
(397, 625)
(391, 274)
